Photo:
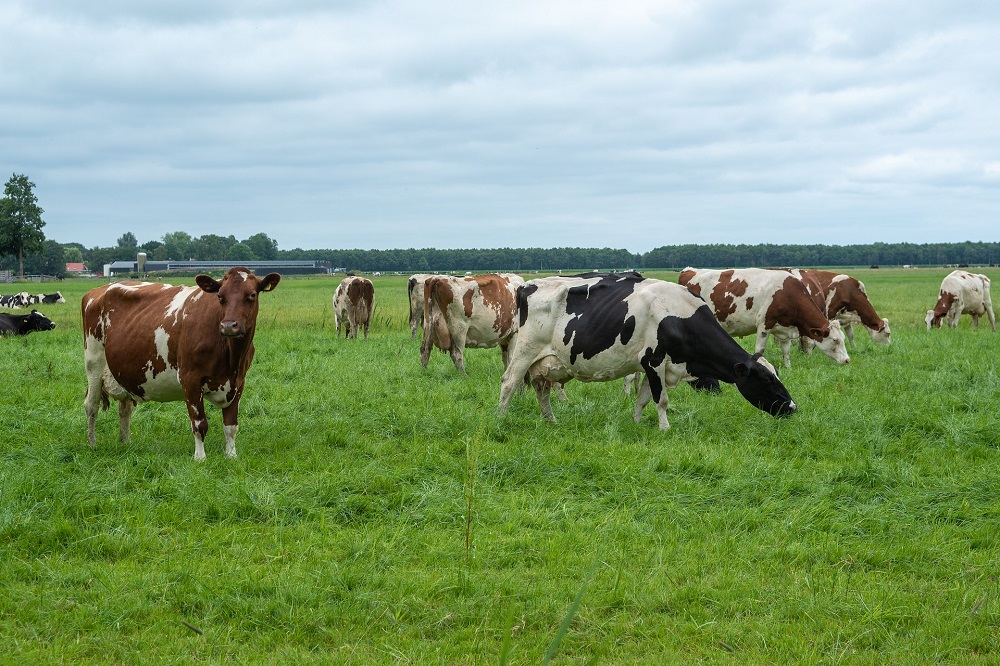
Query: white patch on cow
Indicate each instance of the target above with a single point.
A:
(242, 274)
(231, 431)
(199, 444)
(218, 396)
(164, 386)
(177, 302)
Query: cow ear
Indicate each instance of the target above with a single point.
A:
(819, 333)
(742, 369)
(269, 282)
(208, 284)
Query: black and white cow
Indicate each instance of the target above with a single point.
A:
(47, 299)
(606, 327)
(14, 324)
(15, 301)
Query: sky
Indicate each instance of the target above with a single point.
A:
(527, 123)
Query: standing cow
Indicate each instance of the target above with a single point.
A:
(352, 305)
(762, 302)
(962, 293)
(474, 311)
(156, 342)
(415, 294)
(12, 324)
(845, 299)
(610, 326)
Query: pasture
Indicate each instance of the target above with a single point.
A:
(382, 513)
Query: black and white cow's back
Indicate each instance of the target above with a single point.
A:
(605, 327)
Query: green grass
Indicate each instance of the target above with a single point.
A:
(381, 513)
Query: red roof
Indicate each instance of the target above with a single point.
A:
(74, 267)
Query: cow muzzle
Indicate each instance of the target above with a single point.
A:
(231, 329)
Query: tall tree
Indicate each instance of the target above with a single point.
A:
(20, 219)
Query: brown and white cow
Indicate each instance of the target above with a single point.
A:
(352, 305)
(962, 293)
(763, 302)
(845, 299)
(157, 342)
(415, 294)
(474, 311)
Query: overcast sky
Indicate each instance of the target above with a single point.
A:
(628, 124)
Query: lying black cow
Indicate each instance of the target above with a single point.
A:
(605, 327)
(12, 324)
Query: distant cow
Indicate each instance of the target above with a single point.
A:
(762, 302)
(845, 299)
(611, 326)
(156, 342)
(415, 294)
(15, 301)
(352, 305)
(12, 324)
(962, 293)
(47, 298)
(474, 311)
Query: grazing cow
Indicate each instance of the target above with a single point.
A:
(15, 301)
(12, 324)
(415, 292)
(156, 342)
(766, 302)
(962, 293)
(610, 326)
(844, 298)
(352, 305)
(473, 311)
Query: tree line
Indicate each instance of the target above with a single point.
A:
(24, 249)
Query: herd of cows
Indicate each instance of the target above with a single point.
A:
(157, 342)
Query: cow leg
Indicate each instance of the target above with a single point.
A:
(642, 399)
(230, 426)
(761, 342)
(514, 378)
(125, 419)
(561, 391)
(199, 425)
(975, 322)
(785, 344)
(457, 356)
(849, 332)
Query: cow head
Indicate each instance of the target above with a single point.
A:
(36, 321)
(758, 382)
(832, 342)
(881, 335)
(933, 319)
(237, 292)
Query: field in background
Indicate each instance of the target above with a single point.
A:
(381, 513)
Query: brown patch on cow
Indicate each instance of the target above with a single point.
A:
(749, 302)
(945, 301)
(499, 299)
(685, 278)
(725, 293)
(791, 306)
(467, 303)
(438, 296)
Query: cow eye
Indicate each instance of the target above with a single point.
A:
(252, 297)
(222, 299)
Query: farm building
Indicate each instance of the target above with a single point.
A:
(298, 267)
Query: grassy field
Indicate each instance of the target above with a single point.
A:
(381, 513)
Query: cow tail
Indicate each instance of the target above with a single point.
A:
(441, 336)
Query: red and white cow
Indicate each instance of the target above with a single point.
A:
(845, 299)
(156, 342)
(415, 294)
(962, 293)
(474, 311)
(763, 302)
(352, 305)
(605, 327)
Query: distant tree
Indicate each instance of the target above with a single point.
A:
(129, 242)
(177, 245)
(265, 248)
(20, 220)
(73, 255)
(240, 252)
(50, 261)
(211, 247)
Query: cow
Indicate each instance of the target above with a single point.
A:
(765, 302)
(415, 294)
(845, 299)
(47, 299)
(12, 324)
(610, 326)
(473, 311)
(157, 342)
(15, 301)
(352, 305)
(962, 293)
